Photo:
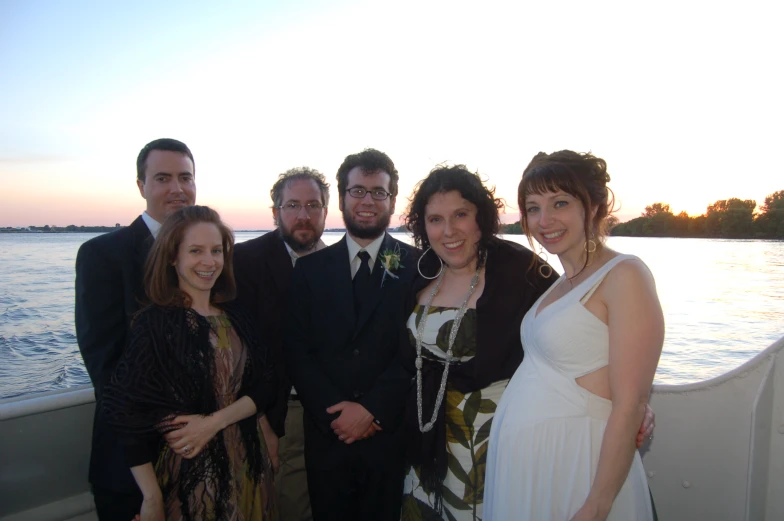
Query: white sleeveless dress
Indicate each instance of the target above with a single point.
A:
(547, 431)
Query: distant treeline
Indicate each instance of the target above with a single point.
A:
(729, 219)
(71, 228)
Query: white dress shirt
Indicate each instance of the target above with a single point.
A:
(294, 255)
(153, 225)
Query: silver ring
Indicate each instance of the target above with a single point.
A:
(186, 450)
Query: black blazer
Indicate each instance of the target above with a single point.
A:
(262, 267)
(334, 356)
(109, 290)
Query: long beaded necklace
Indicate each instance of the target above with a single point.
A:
(452, 335)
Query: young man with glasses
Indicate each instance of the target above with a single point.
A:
(262, 267)
(343, 329)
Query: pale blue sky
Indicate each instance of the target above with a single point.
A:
(683, 99)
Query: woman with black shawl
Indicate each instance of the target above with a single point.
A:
(189, 393)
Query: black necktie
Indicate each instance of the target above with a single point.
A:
(362, 281)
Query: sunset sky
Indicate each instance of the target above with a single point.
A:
(683, 99)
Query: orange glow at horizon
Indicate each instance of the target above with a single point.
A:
(22, 208)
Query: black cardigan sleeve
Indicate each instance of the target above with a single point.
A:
(261, 385)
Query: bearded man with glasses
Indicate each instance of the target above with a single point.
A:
(343, 329)
(262, 267)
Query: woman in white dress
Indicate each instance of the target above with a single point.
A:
(562, 445)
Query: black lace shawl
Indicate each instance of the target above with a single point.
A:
(168, 369)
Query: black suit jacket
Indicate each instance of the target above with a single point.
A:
(109, 290)
(262, 267)
(333, 356)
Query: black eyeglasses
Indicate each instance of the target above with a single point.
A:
(296, 207)
(358, 192)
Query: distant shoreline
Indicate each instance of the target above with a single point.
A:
(505, 230)
(106, 229)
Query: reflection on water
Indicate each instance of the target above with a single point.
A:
(723, 302)
(38, 350)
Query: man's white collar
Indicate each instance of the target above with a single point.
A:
(372, 248)
(153, 225)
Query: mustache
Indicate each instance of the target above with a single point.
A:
(303, 226)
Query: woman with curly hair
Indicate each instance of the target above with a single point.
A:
(189, 393)
(563, 441)
(463, 341)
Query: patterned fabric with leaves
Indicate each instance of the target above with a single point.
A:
(468, 420)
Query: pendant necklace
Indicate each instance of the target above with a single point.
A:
(449, 359)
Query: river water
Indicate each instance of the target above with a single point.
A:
(723, 303)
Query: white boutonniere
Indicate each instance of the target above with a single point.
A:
(390, 261)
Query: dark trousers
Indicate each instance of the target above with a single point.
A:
(116, 506)
(355, 491)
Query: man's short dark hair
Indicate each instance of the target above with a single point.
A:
(295, 174)
(370, 161)
(166, 144)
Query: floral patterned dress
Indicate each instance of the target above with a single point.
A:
(249, 501)
(468, 420)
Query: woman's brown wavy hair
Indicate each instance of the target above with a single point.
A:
(581, 175)
(160, 276)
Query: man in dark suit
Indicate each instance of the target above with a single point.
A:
(109, 290)
(344, 321)
(262, 267)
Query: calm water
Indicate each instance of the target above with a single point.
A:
(723, 303)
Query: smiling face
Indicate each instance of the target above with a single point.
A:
(557, 221)
(199, 260)
(301, 229)
(452, 230)
(169, 183)
(366, 218)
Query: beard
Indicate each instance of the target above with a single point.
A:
(364, 231)
(300, 246)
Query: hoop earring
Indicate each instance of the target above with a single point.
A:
(589, 247)
(419, 269)
(545, 270)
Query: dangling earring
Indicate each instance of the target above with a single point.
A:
(419, 269)
(590, 245)
(545, 270)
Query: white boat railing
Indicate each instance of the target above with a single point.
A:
(717, 452)
(718, 449)
(44, 455)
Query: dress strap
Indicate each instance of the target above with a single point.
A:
(601, 273)
(585, 298)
